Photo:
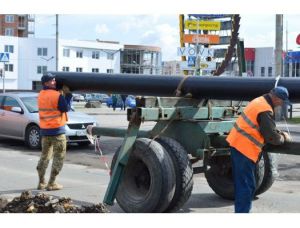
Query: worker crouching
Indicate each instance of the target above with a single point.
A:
(254, 127)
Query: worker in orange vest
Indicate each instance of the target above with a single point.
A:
(254, 127)
(53, 107)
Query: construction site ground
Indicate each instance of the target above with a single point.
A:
(85, 176)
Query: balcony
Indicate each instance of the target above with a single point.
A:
(31, 18)
(22, 26)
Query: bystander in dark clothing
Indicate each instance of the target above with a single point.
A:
(123, 97)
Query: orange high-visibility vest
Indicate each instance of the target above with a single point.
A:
(50, 116)
(245, 135)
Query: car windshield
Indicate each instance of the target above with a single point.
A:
(30, 103)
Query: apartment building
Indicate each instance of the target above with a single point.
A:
(19, 25)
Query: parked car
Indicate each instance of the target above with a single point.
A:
(129, 102)
(19, 120)
(78, 97)
(96, 97)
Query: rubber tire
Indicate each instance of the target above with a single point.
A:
(160, 171)
(270, 172)
(223, 184)
(220, 180)
(183, 172)
(27, 140)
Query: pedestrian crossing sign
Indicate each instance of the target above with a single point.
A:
(4, 57)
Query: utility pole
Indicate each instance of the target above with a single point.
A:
(286, 65)
(278, 44)
(56, 37)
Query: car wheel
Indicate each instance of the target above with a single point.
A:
(33, 137)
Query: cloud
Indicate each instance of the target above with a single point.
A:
(135, 22)
(101, 29)
(164, 36)
(42, 19)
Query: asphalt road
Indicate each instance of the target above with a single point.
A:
(85, 176)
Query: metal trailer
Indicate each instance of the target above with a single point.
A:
(153, 170)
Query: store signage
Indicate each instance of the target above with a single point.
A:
(202, 25)
(203, 66)
(201, 39)
(298, 39)
(209, 16)
(193, 51)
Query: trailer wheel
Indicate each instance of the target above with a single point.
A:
(219, 176)
(183, 172)
(270, 173)
(148, 182)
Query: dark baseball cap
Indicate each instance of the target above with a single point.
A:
(281, 92)
(47, 77)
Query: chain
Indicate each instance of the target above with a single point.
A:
(96, 142)
(102, 157)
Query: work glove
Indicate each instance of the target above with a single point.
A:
(66, 89)
(287, 136)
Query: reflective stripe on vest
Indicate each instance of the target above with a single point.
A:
(252, 139)
(48, 109)
(245, 136)
(248, 121)
(50, 117)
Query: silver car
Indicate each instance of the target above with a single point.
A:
(19, 120)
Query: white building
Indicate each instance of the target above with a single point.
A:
(171, 68)
(31, 57)
(264, 65)
(10, 45)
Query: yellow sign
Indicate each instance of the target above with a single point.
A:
(202, 25)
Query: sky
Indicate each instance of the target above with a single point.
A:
(155, 22)
(158, 29)
(257, 30)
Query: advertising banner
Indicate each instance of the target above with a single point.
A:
(201, 39)
(204, 65)
(193, 51)
(202, 25)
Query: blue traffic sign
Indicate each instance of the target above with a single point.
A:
(191, 61)
(4, 57)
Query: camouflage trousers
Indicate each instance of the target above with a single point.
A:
(52, 147)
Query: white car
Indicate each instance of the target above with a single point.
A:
(19, 120)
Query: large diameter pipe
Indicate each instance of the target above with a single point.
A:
(223, 88)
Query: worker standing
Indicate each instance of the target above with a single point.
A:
(53, 107)
(254, 127)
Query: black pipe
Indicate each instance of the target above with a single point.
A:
(223, 88)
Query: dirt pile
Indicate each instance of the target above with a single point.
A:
(43, 203)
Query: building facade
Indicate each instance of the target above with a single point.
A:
(171, 68)
(31, 57)
(140, 59)
(20, 25)
(264, 62)
(292, 64)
